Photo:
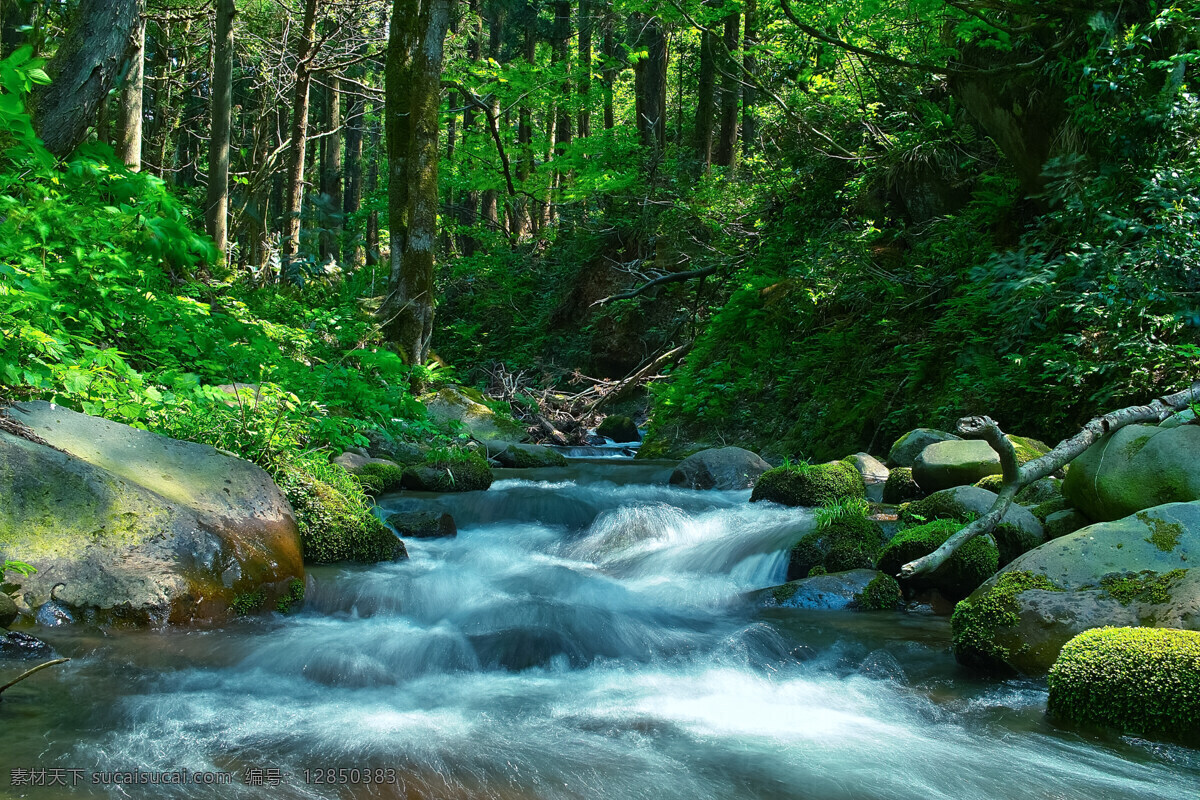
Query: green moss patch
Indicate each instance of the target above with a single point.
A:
(937, 506)
(901, 487)
(993, 483)
(295, 595)
(1053, 506)
(248, 602)
(809, 485)
(974, 563)
(977, 619)
(1144, 681)
(452, 471)
(379, 478)
(881, 594)
(1163, 535)
(334, 518)
(849, 542)
(1146, 587)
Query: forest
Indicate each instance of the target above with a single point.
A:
(429, 274)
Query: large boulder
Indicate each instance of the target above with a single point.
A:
(834, 591)
(619, 429)
(455, 406)
(1137, 467)
(135, 527)
(465, 472)
(809, 484)
(847, 542)
(722, 468)
(955, 463)
(515, 455)
(1130, 572)
(1144, 681)
(1018, 531)
(970, 566)
(906, 449)
(873, 473)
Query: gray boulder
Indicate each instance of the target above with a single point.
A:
(834, 591)
(1060, 523)
(721, 468)
(1135, 468)
(137, 527)
(874, 474)
(423, 525)
(1018, 531)
(906, 449)
(1136, 571)
(954, 463)
(8, 610)
(515, 455)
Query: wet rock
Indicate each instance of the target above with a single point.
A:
(1135, 468)
(454, 406)
(873, 473)
(423, 525)
(54, 614)
(900, 487)
(809, 484)
(515, 455)
(1017, 532)
(954, 463)
(906, 449)
(8, 610)
(137, 527)
(722, 468)
(619, 429)
(848, 542)
(1129, 572)
(833, 591)
(461, 474)
(17, 645)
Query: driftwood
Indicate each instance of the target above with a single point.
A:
(1017, 477)
(29, 672)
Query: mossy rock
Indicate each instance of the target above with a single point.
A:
(464, 473)
(1061, 523)
(1052, 506)
(901, 487)
(974, 563)
(809, 485)
(1017, 532)
(334, 527)
(455, 407)
(850, 542)
(423, 525)
(618, 428)
(526, 456)
(1141, 681)
(993, 483)
(906, 449)
(881, 594)
(1040, 491)
(1130, 572)
(1027, 449)
(942, 465)
(827, 591)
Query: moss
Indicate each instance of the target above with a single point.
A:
(784, 593)
(247, 602)
(1146, 586)
(881, 594)
(379, 478)
(1163, 535)
(976, 619)
(993, 483)
(295, 594)
(937, 506)
(1027, 449)
(1143, 681)
(847, 543)
(817, 571)
(451, 471)
(1039, 491)
(901, 487)
(523, 458)
(974, 563)
(1053, 506)
(1012, 541)
(1134, 446)
(809, 485)
(335, 522)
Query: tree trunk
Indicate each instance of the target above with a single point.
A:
(331, 171)
(129, 123)
(373, 254)
(353, 252)
(706, 99)
(561, 57)
(730, 94)
(650, 82)
(83, 71)
(522, 217)
(413, 83)
(609, 48)
(585, 68)
(750, 67)
(294, 182)
(216, 210)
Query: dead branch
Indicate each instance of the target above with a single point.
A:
(1015, 478)
(632, 381)
(670, 277)
(29, 672)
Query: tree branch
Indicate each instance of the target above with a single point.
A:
(670, 277)
(29, 672)
(1017, 478)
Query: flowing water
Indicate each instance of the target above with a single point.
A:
(585, 636)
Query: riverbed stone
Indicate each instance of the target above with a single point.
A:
(955, 463)
(833, 591)
(515, 455)
(8, 610)
(970, 566)
(461, 474)
(135, 527)
(18, 645)
(809, 484)
(1060, 523)
(620, 429)
(1135, 468)
(457, 407)
(848, 542)
(423, 525)
(906, 449)
(874, 474)
(720, 468)
(376, 475)
(1017, 532)
(1134, 571)
(901, 487)
(381, 444)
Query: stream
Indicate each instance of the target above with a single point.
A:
(586, 635)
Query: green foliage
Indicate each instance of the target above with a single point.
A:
(19, 567)
(843, 508)
(809, 485)
(1141, 681)
(294, 596)
(971, 564)
(977, 619)
(248, 602)
(881, 594)
(851, 541)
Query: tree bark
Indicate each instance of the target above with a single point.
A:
(216, 208)
(705, 99)
(82, 72)
(373, 255)
(609, 51)
(750, 67)
(1015, 478)
(585, 24)
(413, 82)
(353, 252)
(129, 123)
(650, 82)
(294, 182)
(331, 170)
(730, 95)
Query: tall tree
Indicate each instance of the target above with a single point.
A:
(83, 71)
(706, 98)
(216, 206)
(585, 25)
(730, 95)
(129, 121)
(650, 81)
(331, 168)
(293, 194)
(415, 52)
(750, 68)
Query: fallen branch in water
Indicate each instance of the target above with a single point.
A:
(1016, 478)
(29, 672)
